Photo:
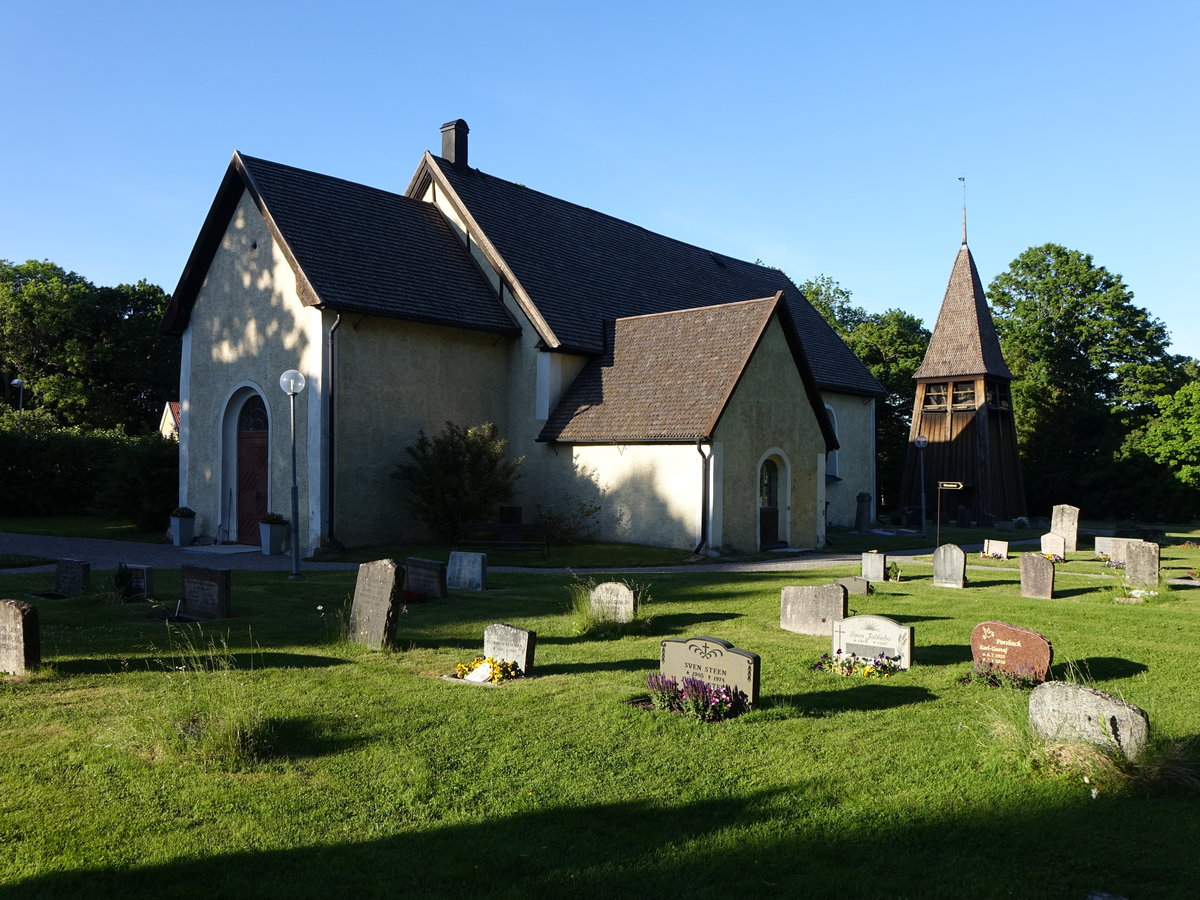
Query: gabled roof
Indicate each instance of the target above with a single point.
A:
(668, 376)
(573, 269)
(964, 340)
(353, 248)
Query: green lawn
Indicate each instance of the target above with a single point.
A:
(81, 526)
(375, 777)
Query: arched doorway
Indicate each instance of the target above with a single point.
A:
(768, 505)
(253, 469)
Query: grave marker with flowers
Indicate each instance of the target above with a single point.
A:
(716, 663)
(871, 637)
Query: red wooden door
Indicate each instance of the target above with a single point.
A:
(252, 469)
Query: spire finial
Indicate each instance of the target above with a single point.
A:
(963, 179)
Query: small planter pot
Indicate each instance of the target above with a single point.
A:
(182, 530)
(272, 538)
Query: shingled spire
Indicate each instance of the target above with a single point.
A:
(963, 409)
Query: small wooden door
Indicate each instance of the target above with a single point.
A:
(768, 505)
(253, 470)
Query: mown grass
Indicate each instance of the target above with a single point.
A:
(366, 774)
(81, 526)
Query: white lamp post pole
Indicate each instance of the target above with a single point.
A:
(922, 442)
(292, 383)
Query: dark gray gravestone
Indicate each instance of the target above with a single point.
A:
(874, 566)
(854, 585)
(1037, 576)
(812, 609)
(993, 548)
(376, 603)
(72, 577)
(141, 582)
(1054, 543)
(426, 577)
(1075, 713)
(507, 642)
(868, 636)
(1011, 649)
(20, 637)
(1064, 520)
(949, 566)
(467, 571)
(205, 593)
(1142, 563)
(613, 601)
(714, 661)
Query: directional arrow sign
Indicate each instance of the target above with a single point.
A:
(950, 485)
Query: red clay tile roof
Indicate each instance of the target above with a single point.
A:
(666, 376)
(964, 340)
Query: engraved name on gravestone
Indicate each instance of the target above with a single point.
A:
(426, 577)
(868, 636)
(1142, 563)
(72, 577)
(1037, 576)
(20, 637)
(874, 566)
(376, 603)
(949, 566)
(613, 601)
(466, 571)
(854, 585)
(812, 609)
(714, 661)
(507, 642)
(1055, 544)
(205, 593)
(141, 582)
(1076, 713)
(1012, 649)
(995, 548)
(1064, 520)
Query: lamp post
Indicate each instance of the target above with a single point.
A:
(292, 383)
(20, 385)
(922, 442)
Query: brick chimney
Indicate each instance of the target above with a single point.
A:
(454, 142)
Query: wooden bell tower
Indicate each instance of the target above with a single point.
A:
(963, 409)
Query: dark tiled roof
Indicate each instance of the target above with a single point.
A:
(964, 340)
(357, 249)
(582, 268)
(663, 377)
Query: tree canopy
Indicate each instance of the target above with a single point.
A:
(90, 356)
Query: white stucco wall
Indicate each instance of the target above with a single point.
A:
(247, 327)
(856, 459)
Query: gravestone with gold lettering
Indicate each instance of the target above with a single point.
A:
(1012, 650)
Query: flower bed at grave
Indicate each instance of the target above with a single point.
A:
(847, 664)
(694, 697)
(501, 669)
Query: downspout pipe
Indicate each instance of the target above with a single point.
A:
(704, 468)
(331, 451)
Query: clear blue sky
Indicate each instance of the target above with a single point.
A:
(819, 137)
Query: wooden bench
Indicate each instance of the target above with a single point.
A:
(503, 536)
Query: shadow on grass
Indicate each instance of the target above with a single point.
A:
(902, 618)
(312, 737)
(1098, 668)
(1061, 593)
(678, 623)
(942, 654)
(612, 665)
(246, 662)
(822, 704)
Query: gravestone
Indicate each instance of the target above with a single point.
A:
(426, 577)
(949, 566)
(1012, 649)
(1075, 713)
(868, 636)
(507, 642)
(812, 609)
(466, 571)
(141, 582)
(1054, 543)
(1112, 547)
(854, 585)
(995, 548)
(1142, 563)
(1064, 520)
(205, 593)
(20, 637)
(714, 661)
(613, 601)
(1037, 576)
(874, 566)
(376, 603)
(72, 577)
